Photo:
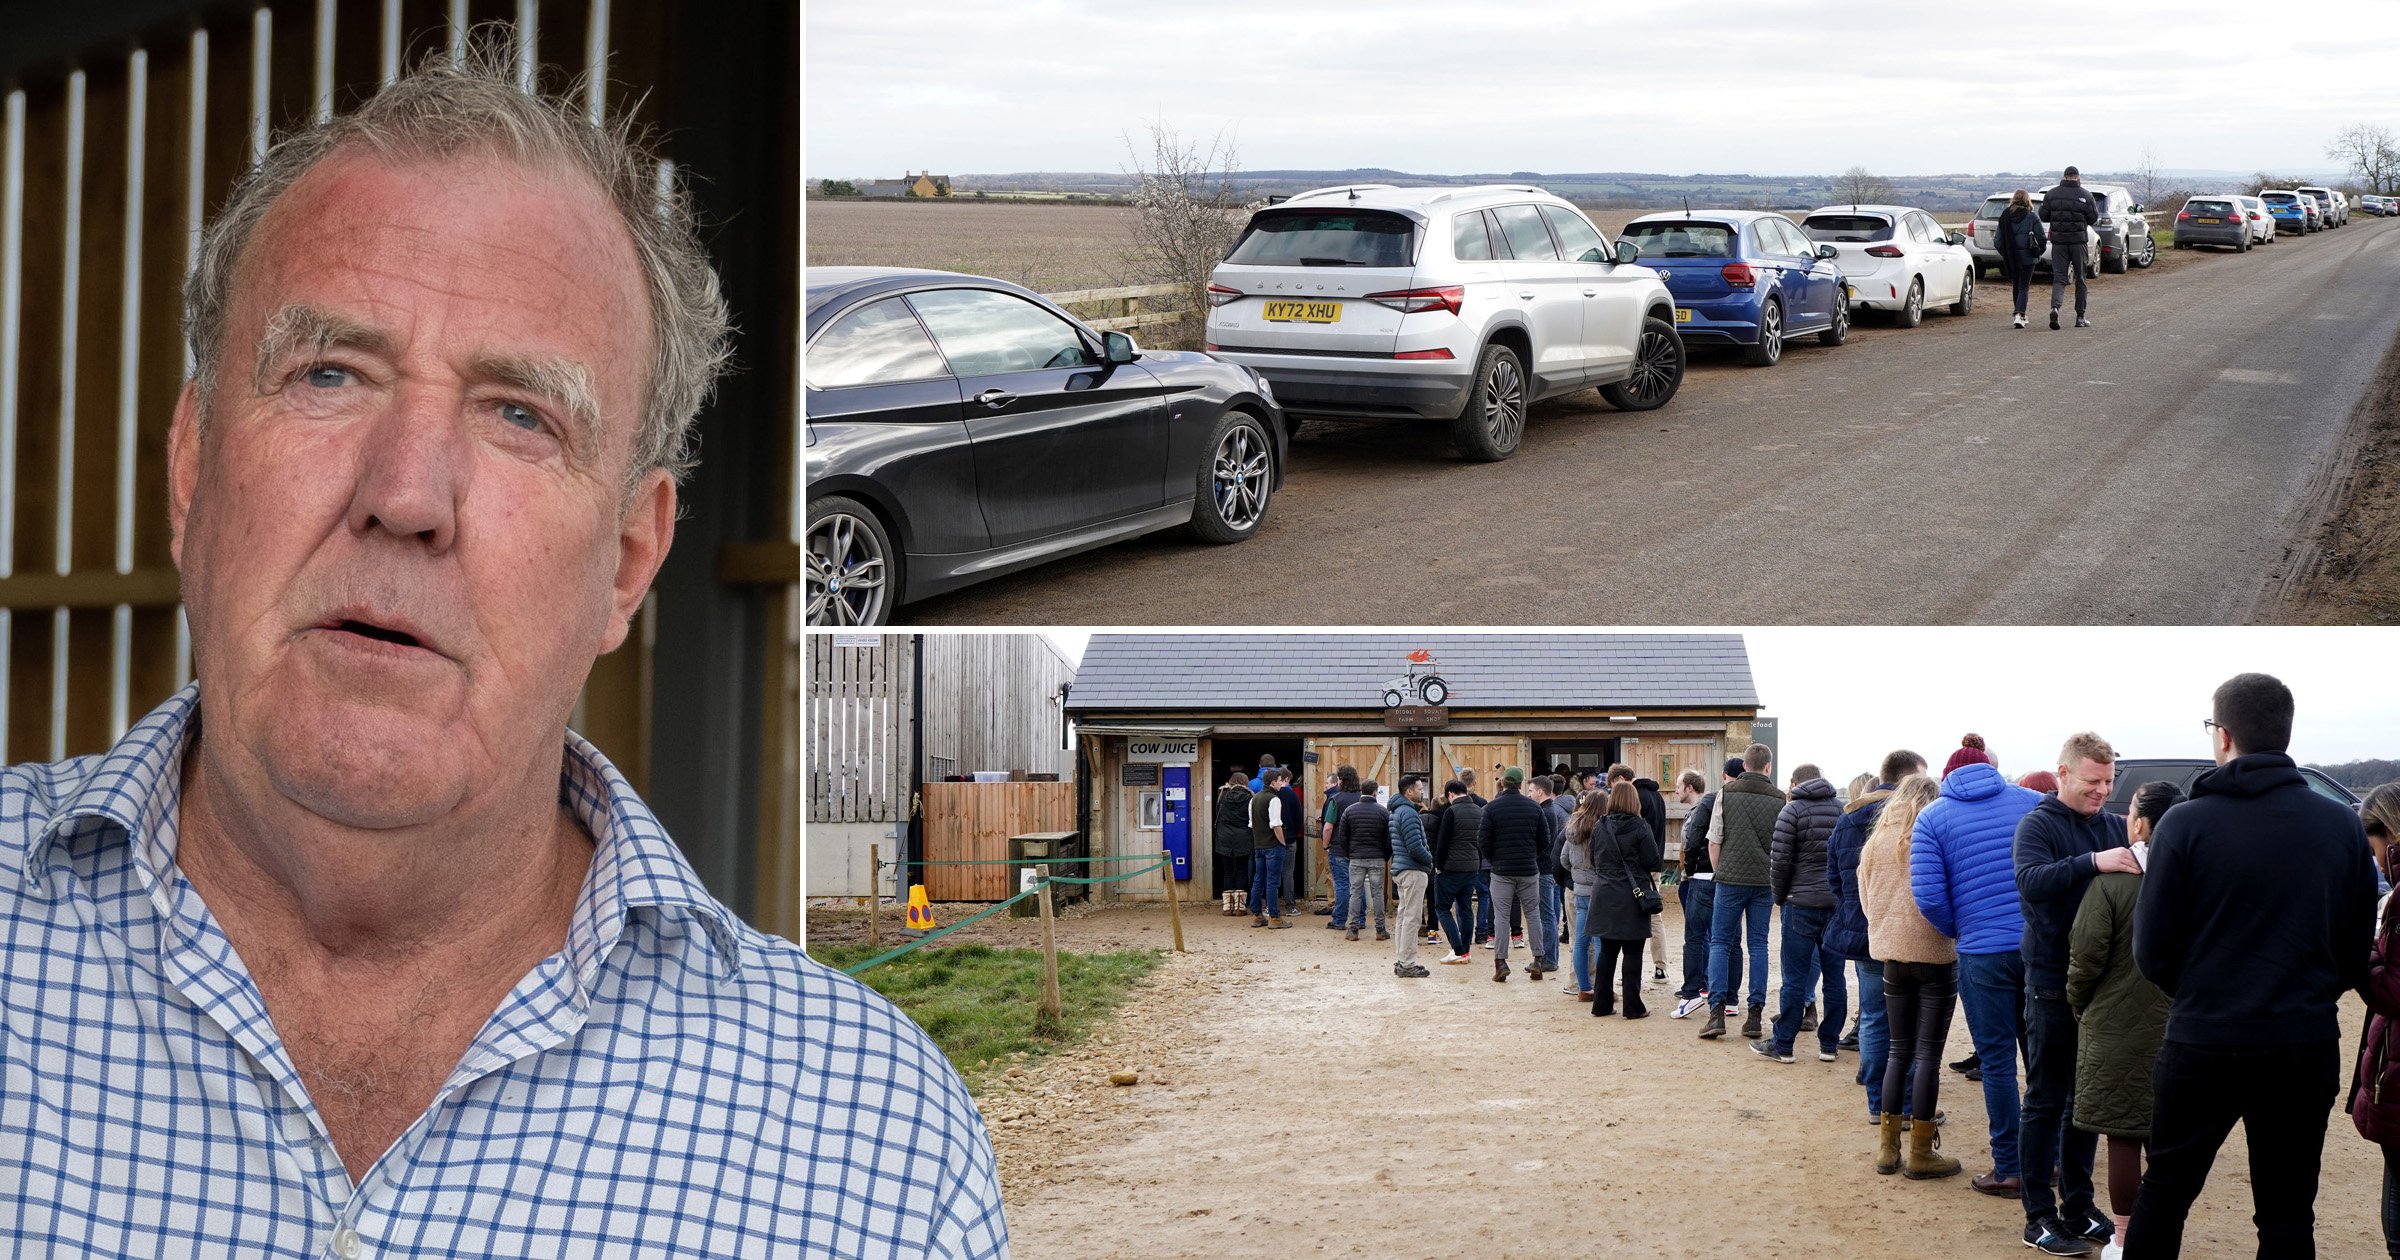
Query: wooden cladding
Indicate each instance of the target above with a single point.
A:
(973, 822)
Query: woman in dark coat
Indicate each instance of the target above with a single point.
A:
(1622, 852)
(2375, 1087)
(2123, 1015)
(2021, 246)
(1232, 847)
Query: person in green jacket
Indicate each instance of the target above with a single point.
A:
(2124, 1016)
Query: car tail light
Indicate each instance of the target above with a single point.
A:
(1211, 347)
(1739, 275)
(2181, 215)
(1219, 295)
(1417, 301)
(1885, 251)
(1425, 354)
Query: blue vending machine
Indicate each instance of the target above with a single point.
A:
(1176, 784)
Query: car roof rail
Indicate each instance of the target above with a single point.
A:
(1476, 189)
(1351, 189)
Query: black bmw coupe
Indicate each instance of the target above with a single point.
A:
(958, 428)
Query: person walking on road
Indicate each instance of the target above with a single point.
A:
(1232, 844)
(2069, 838)
(1797, 862)
(1577, 847)
(1963, 868)
(2375, 1084)
(1273, 822)
(1741, 830)
(1696, 890)
(1514, 833)
(1622, 853)
(1412, 869)
(1920, 985)
(2123, 1017)
(1847, 933)
(2021, 246)
(1458, 861)
(2071, 214)
(1363, 838)
(2256, 914)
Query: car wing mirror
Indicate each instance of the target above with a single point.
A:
(1828, 252)
(1627, 251)
(1119, 347)
(1954, 239)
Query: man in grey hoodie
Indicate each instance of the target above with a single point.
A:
(2071, 213)
(1412, 866)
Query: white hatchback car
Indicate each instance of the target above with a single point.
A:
(1896, 258)
(1467, 305)
(2262, 223)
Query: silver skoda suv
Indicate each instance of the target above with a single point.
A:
(1370, 301)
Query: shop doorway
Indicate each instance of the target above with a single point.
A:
(1577, 755)
(1229, 755)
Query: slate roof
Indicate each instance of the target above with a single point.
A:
(1218, 672)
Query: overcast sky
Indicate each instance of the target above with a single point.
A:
(1847, 696)
(1450, 87)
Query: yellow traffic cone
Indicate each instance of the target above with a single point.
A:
(920, 910)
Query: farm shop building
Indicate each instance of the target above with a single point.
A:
(1162, 719)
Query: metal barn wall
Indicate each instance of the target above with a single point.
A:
(992, 702)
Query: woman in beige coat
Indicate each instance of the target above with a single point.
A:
(1920, 984)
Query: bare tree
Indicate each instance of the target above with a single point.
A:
(2372, 155)
(2148, 184)
(1188, 213)
(1859, 186)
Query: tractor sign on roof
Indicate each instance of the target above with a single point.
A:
(1423, 682)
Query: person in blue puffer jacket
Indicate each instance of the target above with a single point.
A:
(1847, 934)
(1962, 869)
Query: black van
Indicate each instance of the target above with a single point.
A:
(2133, 772)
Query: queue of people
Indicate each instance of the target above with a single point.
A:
(2159, 975)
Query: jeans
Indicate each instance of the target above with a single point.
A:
(1586, 948)
(1266, 880)
(1699, 898)
(1917, 998)
(1366, 884)
(1483, 904)
(2020, 285)
(2049, 1099)
(1734, 901)
(1408, 914)
(1338, 869)
(1511, 893)
(1992, 988)
(2282, 1095)
(1805, 958)
(2066, 256)
(1624, 958)
(1874, 1031)
(1550, 913)
(1454, 908)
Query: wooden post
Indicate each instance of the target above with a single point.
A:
(1052, 1008)
(1174, 903)
(875, 897)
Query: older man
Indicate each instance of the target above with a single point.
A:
(352, 946)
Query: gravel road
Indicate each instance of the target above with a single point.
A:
(2163, 467)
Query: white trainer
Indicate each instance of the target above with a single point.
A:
(1690, 1006)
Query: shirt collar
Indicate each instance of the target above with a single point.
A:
(635, 864)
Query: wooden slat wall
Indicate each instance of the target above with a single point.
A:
(992, 703)
(973, 821)
(1662, 757)
(856, 718)
(105, 176)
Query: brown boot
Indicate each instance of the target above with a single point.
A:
(1887, 1155)
(1258, 920)
(1277, 922)
(1715, 1027)
(1925, 1160)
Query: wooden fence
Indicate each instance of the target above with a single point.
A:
(1115, 310)
(973, 821)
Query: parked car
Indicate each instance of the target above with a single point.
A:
(2213, 221)
(2123, 232)
(2293, 213)
(2334, 207)
(1746, 278)
(1983, 232)
(1896, 258)
(2373, 204)
(2133, 772)
(957, 428)
(2262, 224)
(1458, 304)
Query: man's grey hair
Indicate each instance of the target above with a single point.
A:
(443, 109)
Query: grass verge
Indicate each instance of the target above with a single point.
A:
(982, 1005)
(2354, 576)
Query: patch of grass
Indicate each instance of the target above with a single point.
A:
(983, 1005)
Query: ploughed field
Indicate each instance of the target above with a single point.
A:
(1047, 247)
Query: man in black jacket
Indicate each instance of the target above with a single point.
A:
(1697, 889)
(2256, 914)
(1363, 836)
(1340, 791)
(1796, 871)
(1457, 858)
(2067, 839)
(2071, 214)
(1514, 835)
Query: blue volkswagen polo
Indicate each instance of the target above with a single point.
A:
(1746, 278)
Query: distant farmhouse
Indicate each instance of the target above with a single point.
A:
(915, 185)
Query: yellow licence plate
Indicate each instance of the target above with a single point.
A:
(1683, 314)
(2208, 220)
(1302, 312)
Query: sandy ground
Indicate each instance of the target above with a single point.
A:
(1298, 1099)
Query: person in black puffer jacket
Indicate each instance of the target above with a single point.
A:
(1515, 833)
(1847, 933)
(2021, 244)
(1363, 836)
(1457, 858)
(1796, 871)
(2071, 214)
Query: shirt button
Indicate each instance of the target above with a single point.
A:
(345, 1243)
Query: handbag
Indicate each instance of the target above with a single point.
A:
(1645, 891)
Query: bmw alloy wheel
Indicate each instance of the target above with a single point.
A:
(1653, 367)
(1504, 402)
(846, 572)
(1239, 475)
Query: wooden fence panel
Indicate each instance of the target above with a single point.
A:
(973, 822)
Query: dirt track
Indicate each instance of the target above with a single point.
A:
(1312, 1104)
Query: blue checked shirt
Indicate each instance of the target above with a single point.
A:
(673, 1082)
